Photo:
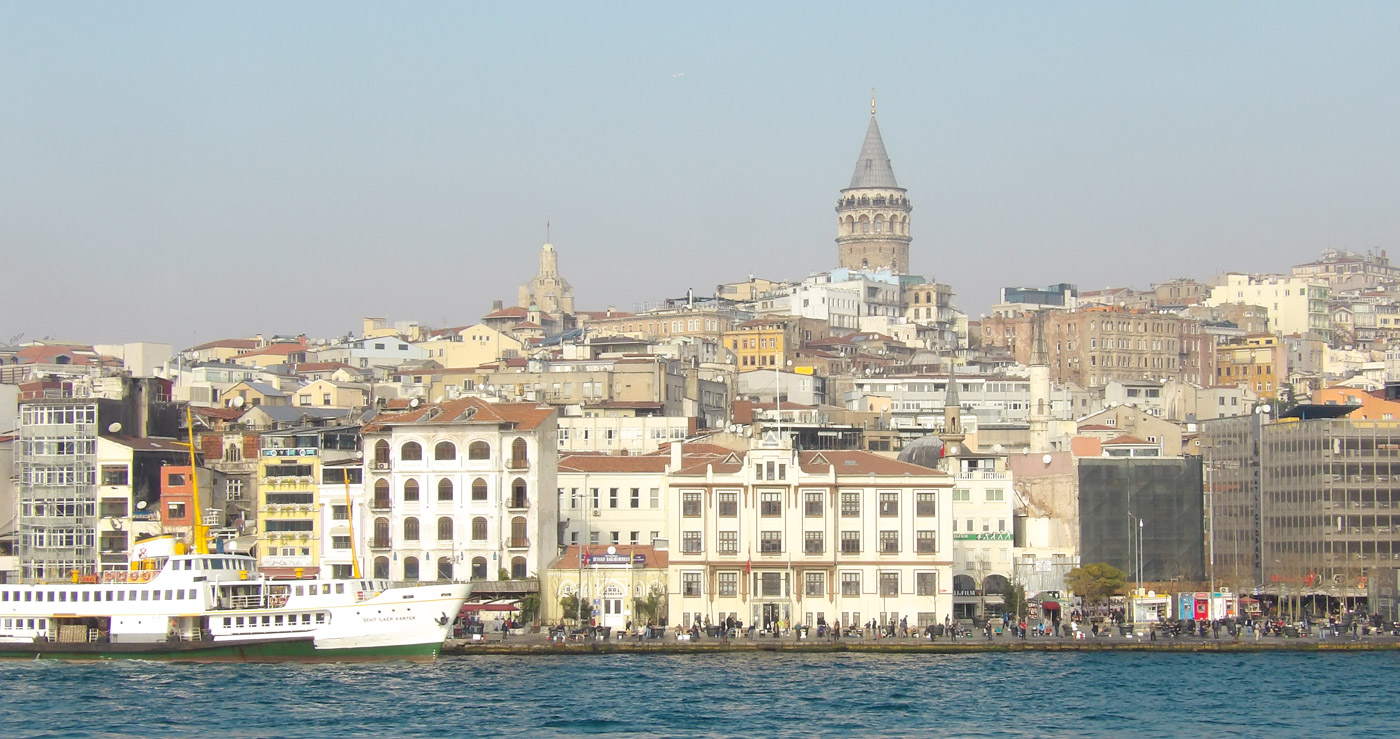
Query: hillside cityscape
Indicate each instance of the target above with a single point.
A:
(844, 448)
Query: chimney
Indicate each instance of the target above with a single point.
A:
(676, 454)
(496, 305)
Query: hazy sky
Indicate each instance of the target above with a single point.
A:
(187, 171)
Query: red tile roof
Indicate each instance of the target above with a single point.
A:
(514, 311)
(320, 366)
(46, 354)
(610, 463)
(228, 344)
(226, 414)
(570, 559)
(1125, 439)
(524, 416)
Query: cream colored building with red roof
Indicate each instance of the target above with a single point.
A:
(462, 489)
(772, 534)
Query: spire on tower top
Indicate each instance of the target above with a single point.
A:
(873, 167)
(872, 101)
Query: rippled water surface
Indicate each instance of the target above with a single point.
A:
(1025, 694)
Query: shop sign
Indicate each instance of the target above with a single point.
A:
(966, 593)
(301, 451)
(616, 560)
(990, 536)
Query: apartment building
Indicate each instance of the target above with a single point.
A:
(776, 535)
(462, 489)
(290, 526)
(1091, 346)
(1259, 363)
(1296, 305)
(983, 499)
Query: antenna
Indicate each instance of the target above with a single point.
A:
(872, 101)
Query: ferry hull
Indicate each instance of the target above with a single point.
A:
(273, 650)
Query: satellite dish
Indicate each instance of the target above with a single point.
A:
(415, 402)
(140, 505)
(238, 402)
(438, 400)
(114, 427)
(1047, 459)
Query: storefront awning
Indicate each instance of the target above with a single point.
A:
(470, 607)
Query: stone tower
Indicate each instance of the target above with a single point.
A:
(552, 293)
(952, 435)
(872, 215)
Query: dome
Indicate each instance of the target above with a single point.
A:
(924, 452)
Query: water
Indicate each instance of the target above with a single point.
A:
(1004, 695)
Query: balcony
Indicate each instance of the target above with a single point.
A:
(518, 464)
(516, 502)
(518, 542)
(379, 504)
(380, 542)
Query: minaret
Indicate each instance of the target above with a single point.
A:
(872, 215)
(952, 435)
(1040, 387)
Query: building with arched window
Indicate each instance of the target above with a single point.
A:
(466, 488)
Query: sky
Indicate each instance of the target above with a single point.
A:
(182, 172)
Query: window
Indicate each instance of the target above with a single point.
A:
(962, 495)
(813, 542)
(655, 501)
(411, 452)
(479, 529)
(636, 499)
(770, 584)
(115, 475)
(444, 532)
(233, 490)
(690, 505)
(889, 504)
(996, 496)
(925, 542)
(850, 505)
(612, 497)
(889, 541)
(925, 583)
(478, 489)
(410, 529)
(812, 505)
(410, 491)
(445, 450)
(770, 504)
(479, 450)
(175, 510)
(729, 505)
(814, 583)
(850, 583)
(444, 489)
(926, 504)
(690, 584)
(340, 542)
(690, 542)
(889, 584)
(850, 542)
(771, 542)
(410, 569)
(728, 542)
(729, 583)
(340, 513)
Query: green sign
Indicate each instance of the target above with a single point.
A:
(998, 536)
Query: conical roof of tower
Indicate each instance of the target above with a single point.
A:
(873, 168)
(950, 400)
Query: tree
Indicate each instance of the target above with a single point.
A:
(529, 607)
(1013, 599)
(572, 608)
(1095, 582)
(650, 608)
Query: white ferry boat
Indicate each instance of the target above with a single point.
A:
(218, 608)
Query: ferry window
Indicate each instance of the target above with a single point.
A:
(306, 618)
(87, 596)
(279, 621)
(227, 622)
(5, 595)
(155, 595)
(43, 623)
(326, 589)
(167, 595)
(191, 593)
(300, 590)
(111, 595)
(121, 595)
(240, 622)
(145, 595)
(50, 596)
(266, 620)
(62, 596)
(26, 596)
(340, 588)
(320, 618)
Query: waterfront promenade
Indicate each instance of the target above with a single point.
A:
(540, 644)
